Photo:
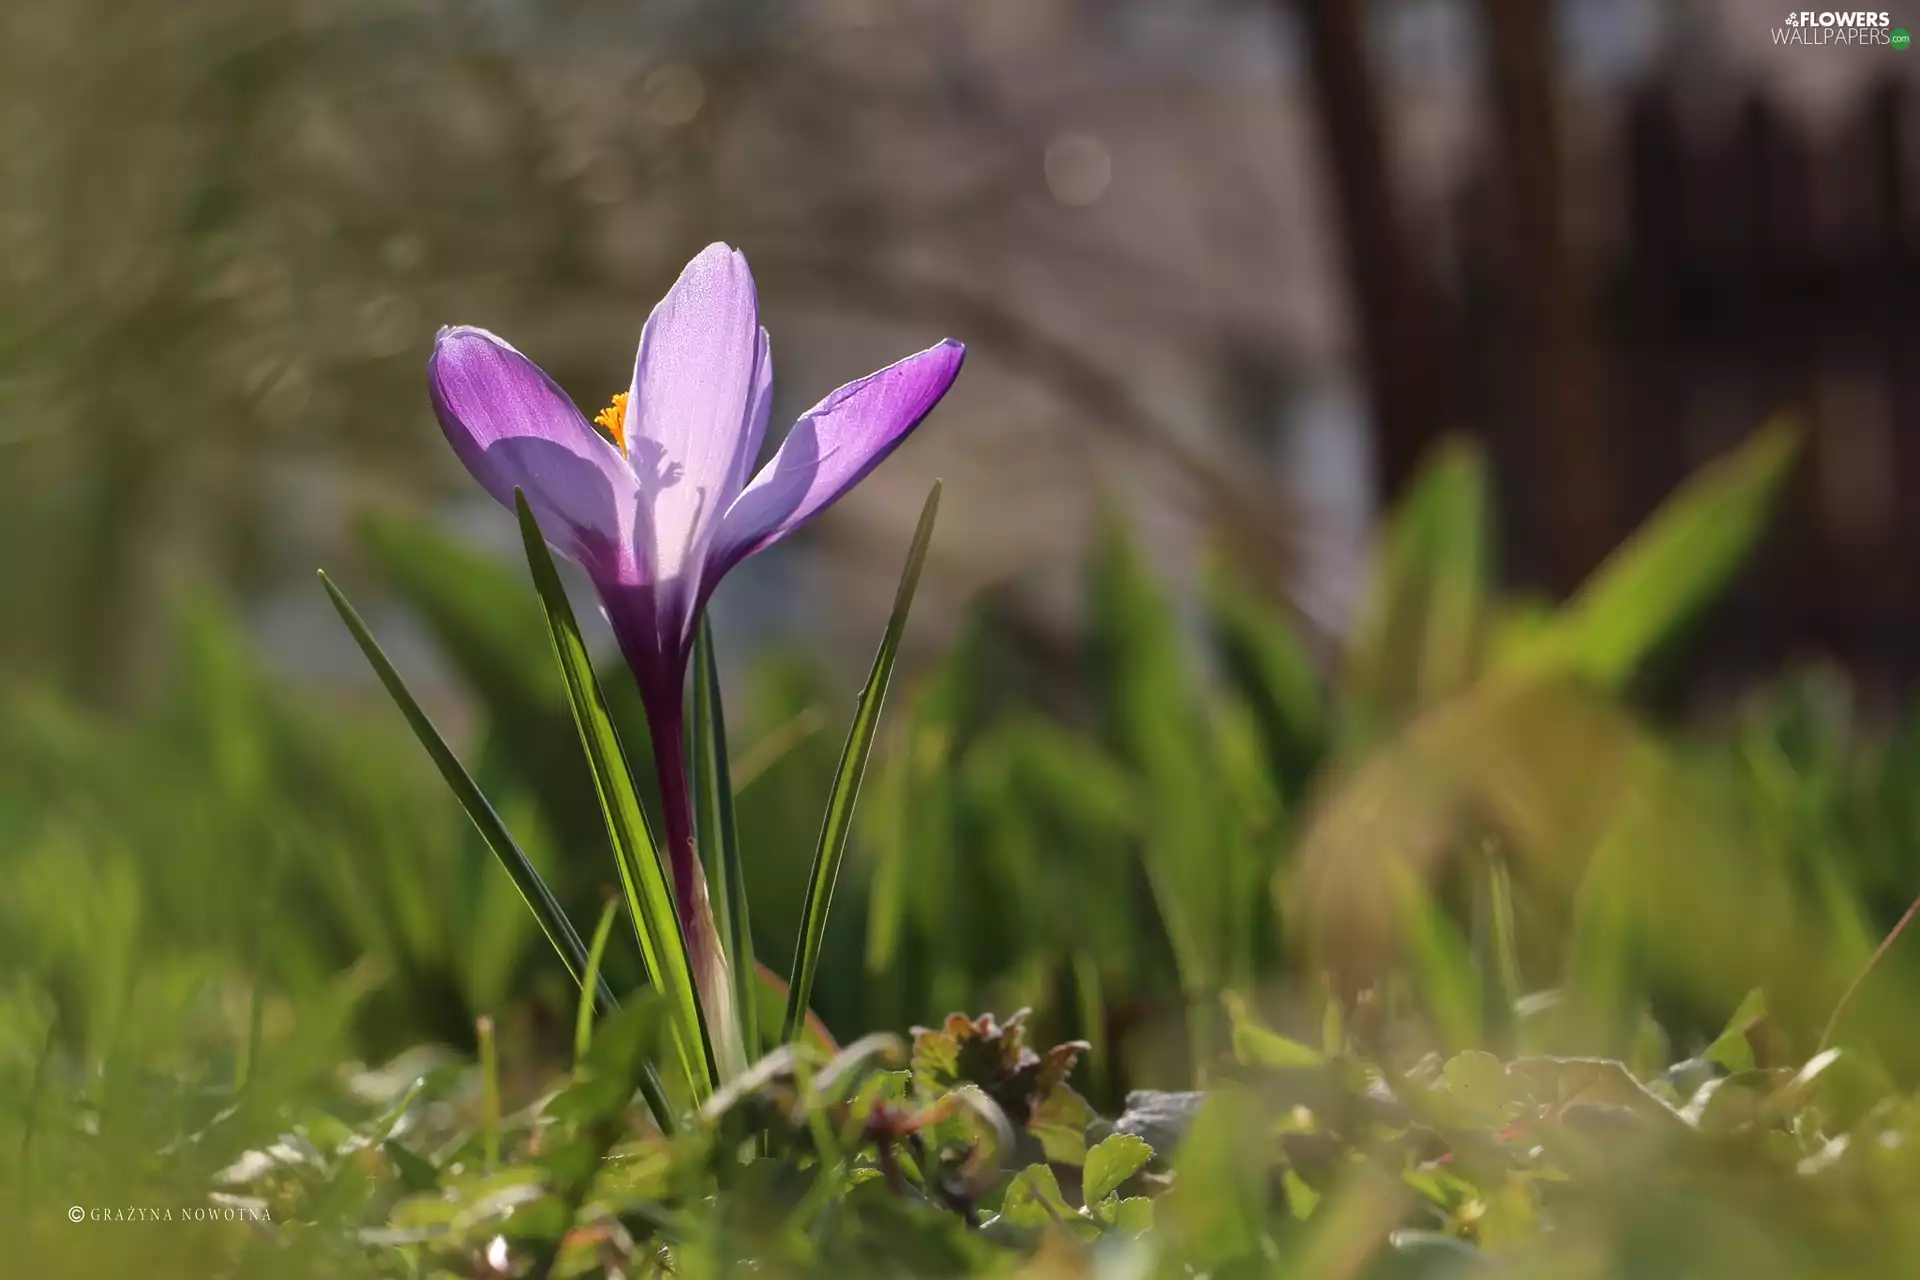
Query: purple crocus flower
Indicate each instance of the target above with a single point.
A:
(661, 506)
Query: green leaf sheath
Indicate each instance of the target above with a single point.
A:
(719, 835)
(642, 877)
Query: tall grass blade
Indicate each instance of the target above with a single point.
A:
(583, 1019)
(1091, 1000)
(1672, 567)
(540, 899)
(1419, 634)
(1440, 962)
(719, 837)
(763, 755)
(1154, 721)
(489, 1094)
(642, 876)
(1265, 661)
(493, 832)
(846, 783)
(1496, 953)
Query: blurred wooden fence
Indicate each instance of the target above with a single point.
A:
(1757, 264)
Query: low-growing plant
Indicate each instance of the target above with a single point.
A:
(1457, 962)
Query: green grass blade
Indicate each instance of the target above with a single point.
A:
(719, 838)
(644, 879)
(1090, 1000)
(493, 832)
(846, 782)
(1153, 720)
(583, 1020)
(540, 899)
(1266, 662)
(489, 1094)
(1673, 566)
(1496, 952)
(1440, 962)
(1419, 633)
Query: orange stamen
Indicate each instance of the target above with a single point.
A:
(614, 419)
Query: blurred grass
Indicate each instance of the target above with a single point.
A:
(1006, 851)
(1467, 836)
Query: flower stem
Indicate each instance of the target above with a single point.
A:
(666, 726)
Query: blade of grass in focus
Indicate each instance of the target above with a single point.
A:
(846, 783)
(539, 898)
(583, 1020)
(719, 836)
(644, 879)
(489, 1094)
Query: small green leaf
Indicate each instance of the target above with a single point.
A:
(1732, 1050)
(936, 1058)
(1033, 1199)
(1111, 1162)
(838, 822)
(1560, 1082)
(1134, 1215)
(649, 900)
(1060, 1123)
(1477, 1083)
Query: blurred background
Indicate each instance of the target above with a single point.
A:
(1229, 271)
(1240, 263)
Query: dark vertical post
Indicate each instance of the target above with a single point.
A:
(1893, 279)
(1551, 373)
(1401, 359)
(1652, 322)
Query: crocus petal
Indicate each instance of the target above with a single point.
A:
(514, 428)
(831, 448)
(758, 407)
(699, 392)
